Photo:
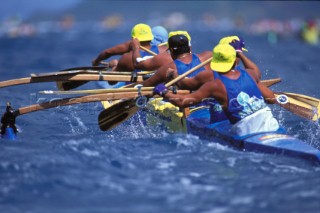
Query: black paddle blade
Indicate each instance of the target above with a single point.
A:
(117, 114)
(69, 85)
(86, 68)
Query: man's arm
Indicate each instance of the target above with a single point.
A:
(250, 66)
(160, 75)
(267, 94)
(151, 63)
(197, 81)
(205, 91)
(116, 50)
(125, 63)
(155, 62)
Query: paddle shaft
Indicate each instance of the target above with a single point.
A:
(267, 83)
(89, 71)
(148, 51)
(71, 77)
(82, 99)
(180, 77)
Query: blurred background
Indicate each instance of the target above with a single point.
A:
(275, 19)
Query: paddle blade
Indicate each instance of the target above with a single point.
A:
(300, 107)
(69, 85)
(117, 114)
(270, 82)
(87, 68)
(303, 98)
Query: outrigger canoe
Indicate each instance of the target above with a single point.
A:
(197, 122)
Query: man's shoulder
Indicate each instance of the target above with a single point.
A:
(163, 56)
(162, 49)
(216, 84)
(204, 55)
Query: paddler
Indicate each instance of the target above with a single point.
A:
(159, 60)
(143, 33)
(182, 59)
(239, 91)
(239, 49)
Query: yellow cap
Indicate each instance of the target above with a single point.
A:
(225, 40)
(180, 32)
(224, 56)
(229, 39)
(142, 32)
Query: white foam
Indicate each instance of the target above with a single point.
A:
(165, 165)
(90, 153)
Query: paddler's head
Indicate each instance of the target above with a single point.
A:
(230, 39)
(179, 32)
(160, 35)
(223, 58)
(178, 44)
(142, 32)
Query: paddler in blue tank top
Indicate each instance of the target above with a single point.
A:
(216, 112)
(183, 60)
(143, 33)
(239, 92)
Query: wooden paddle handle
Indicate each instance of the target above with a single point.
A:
(148, 51)
(180, 77)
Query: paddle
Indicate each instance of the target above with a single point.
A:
(86, 68)
(301, 105)
(120, 112)
(81, 99)
(74, 76)
(83, 71)
(66, 85)
(148, 51)
(270, 82)
(267, 83)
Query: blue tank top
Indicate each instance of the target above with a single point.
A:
(153, 48)
(216, 112)
(244, 96)
(182, 67)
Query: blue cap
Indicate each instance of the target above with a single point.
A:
(160, 35)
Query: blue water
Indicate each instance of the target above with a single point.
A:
(62, 162)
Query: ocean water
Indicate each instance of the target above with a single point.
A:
(62, 162)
